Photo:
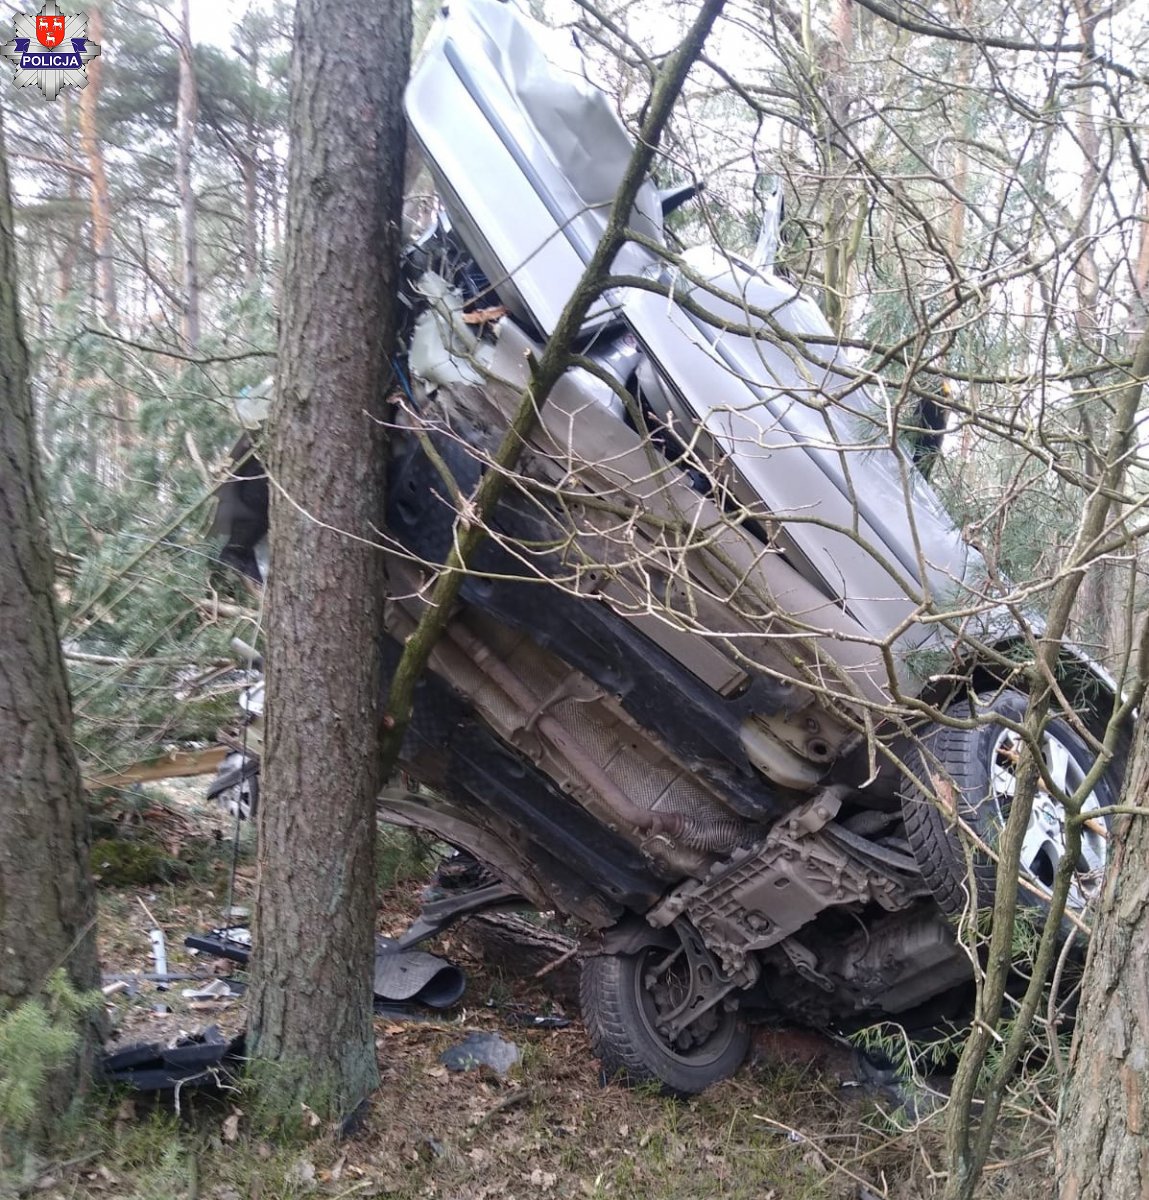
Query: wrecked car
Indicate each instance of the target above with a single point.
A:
(672, 700)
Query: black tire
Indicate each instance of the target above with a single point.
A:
(967, 759)
(618, 1012)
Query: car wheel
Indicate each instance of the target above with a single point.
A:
(980, 765)
(625, 998)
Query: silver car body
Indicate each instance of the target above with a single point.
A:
(527, 156)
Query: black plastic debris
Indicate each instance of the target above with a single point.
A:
(414, 975)
(201, 1059)
(481, 1050)
(524, 1018)
(878, 1077)
(234, 943)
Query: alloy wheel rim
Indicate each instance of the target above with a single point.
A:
(1043, 846)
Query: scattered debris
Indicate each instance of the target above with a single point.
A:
(481, 1050)
(401, 975)
(195, 1060)
(217, 989)
(538, 1021)
(406, 976)
(232, 942)
(159, 953)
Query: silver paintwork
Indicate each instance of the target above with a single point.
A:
(527, 155)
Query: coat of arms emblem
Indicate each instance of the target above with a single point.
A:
(51, 50)
(50, 29)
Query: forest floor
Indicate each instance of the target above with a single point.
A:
(794, 1124)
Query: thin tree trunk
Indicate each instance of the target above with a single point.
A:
(1141, 270)
(249, 167)
(47, 904)
(311, 1006)
(956, 234)
(840, 236)
(186, 112)
(968, 1145)
(1085, 270)
(1103, 1126)
(99, 199)
(1100, 620)
(273, 184)
(93, 150)
(71, 247)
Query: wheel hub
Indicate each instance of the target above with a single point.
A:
(683, 990)
(668, 992)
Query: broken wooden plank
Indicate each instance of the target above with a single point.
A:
(174, 765)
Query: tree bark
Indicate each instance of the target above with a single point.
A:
(311, 1006)
(47, 903)
(539, 956)
(1103, 1127)
(250, 169)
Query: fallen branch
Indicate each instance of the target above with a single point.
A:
(111, 660)
(565, 957)
(222, 608)
(513, 1100)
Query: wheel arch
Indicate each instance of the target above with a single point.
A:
(547, 889)
(1088, 688)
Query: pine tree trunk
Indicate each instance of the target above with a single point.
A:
(99, 197)
(100, 204)
(311, 1008)
(250, 169)
(69, 252)
(834, 80)
(186, 112)
(47, 904)
(1103, 1127)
